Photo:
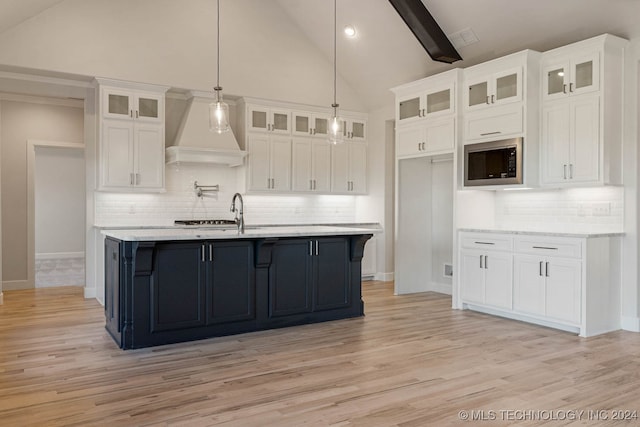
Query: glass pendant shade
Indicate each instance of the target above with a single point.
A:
(335, 130)
(219, 115)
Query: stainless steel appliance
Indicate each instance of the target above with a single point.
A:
(493, 163)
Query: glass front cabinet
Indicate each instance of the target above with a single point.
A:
(573, 76)
(432, 103)
(494, 89)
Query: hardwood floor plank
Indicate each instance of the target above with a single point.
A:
(411, 361)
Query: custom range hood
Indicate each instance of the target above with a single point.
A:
(194, 142)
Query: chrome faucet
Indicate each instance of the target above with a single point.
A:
(238, 212)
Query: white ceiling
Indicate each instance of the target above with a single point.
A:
(386, 54)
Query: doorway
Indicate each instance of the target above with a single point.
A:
(56, 213)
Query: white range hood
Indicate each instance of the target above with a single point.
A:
(194, 142)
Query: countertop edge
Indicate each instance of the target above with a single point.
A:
(584, 235)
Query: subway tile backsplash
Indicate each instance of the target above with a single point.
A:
(575, 209)
(180, 202)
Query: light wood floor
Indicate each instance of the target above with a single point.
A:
(411, 361)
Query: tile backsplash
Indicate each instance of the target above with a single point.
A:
(575, 209)
(180, 202)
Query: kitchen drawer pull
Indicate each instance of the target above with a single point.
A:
(316, 248)
(484, 243)
(570, 170)
(202, 249)
(210, 252)
(486, 262)
(481, 261)
(546, 269)
(490, 133)
(545, 247)
(540, 268)
(310, 247)
(565, 171)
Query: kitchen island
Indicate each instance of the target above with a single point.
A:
(176, 284)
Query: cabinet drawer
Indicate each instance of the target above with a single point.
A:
(561, 247)
(486, 241)
(494, 123)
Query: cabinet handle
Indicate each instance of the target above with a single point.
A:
(540, 273)
(486, 262)
(419, 147)
(137, 179)
(570, 87)
(490, 133)
(488, 100)
(137, 114)
(546, 269)
(273, 183)
(131, 113)
(419, 112)
(545, 247)
(565, 171)
(481, 262)
(310, 248)
(314, 184)
(564, 88)
(570, 170)
(423, 114)
(314, 131)
(202, 249)
(131, 178)
(316, 248)
(493, 99)
(484, 243)
(210, 252)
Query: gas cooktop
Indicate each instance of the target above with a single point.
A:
(206, 222)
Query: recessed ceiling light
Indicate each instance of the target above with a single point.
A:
(350, 31)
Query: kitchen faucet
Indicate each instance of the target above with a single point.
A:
(238, 212)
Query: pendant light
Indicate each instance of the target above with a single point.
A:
(218, 110)
(335, 124)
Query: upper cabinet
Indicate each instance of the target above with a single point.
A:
(582, 113)
(493, 86)
(427, 115)
(131, 142)
(289, 149)
(574, 75)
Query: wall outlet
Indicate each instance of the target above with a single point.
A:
(447, 270)
(601, 208)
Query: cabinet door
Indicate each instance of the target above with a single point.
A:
(410, 141)
(477, 93)
(358, 168)
(280, 163)
(258, 119)
(280, 121)
(117, 103)
(555, 144)
(112, 289)
(149, 107)
(302, 123)
(563, 296)
(440, 135)
(301, 169)
(332, 273)
(355, 130)
(117, 154)
(321, 166)
(410, 108)
(529, 285)
(472, 276)
(232, 282)
(149, 156)
(340, 168)
(507, 86)
(178, 286)
(585, 137)
(555, 80)
(585, 74)
(290, 280)
(439, 101)
(498, 279)
(259, 163)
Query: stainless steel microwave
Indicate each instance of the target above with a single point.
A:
(493, 163)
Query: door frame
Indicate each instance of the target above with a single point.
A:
(31, 201)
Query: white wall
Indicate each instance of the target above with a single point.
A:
(59, 200)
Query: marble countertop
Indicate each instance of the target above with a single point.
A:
(580, 234)
(251, 232)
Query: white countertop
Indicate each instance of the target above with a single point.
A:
(251, 232)
(579, 234)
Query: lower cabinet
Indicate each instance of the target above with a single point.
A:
(563, 282)
(164, 292)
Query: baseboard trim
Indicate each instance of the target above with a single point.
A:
(16, 285)
(90, 293)
(630, 323)
(383, 277)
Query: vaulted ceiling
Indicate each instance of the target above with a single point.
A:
(385, 53)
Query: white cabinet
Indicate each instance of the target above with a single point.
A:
(354, 129)
(573, 75)
(489, 88)
(131, 146)
(582, 113)
(486, 277)
(311, 160)
(310, 124)
(570, 149)
(569, 283)
(432, 137)
(349, 168)
(436, 100)
(273, 120)
(269, 162)
(548, 287)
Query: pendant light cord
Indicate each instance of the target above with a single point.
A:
(218, 47)
(335, 67)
